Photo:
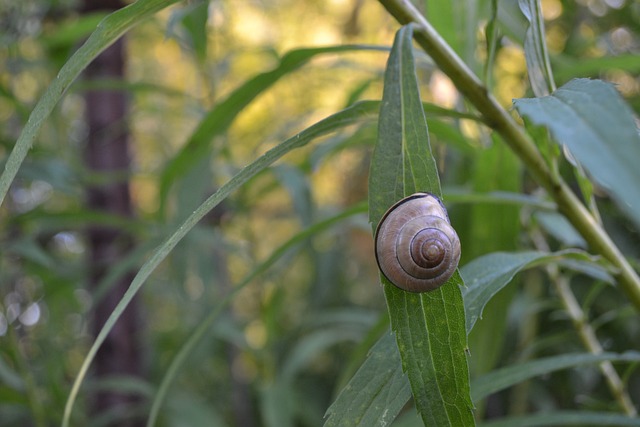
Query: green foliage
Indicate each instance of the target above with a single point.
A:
(377, 392)
(218, 120)
(535, 49)
(344, 118)
(253, 255)
(598, 128)
(430, 326)
(107, 32)
(368, 395)
(511, 375)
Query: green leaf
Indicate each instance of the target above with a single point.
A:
(487, 275)
(592, 120)
(352, 405)
(429, 327)
(189, 409)
(193, 18)
(443, 129)
(567, 68)
(9, 377)
(366, 397)
(312, 344)
(72, 31)
(343, 118)
(492, 228)
(491, 35)
(122, 384)
(376, 394)
(558, 226)
(514, 374)
(107, 32)
(220, 117)
(360, 352)
(206, 324)
(535, 49)
(455, 195)
(299, 188)
(28, 249)
(566, 418)
(447, 17)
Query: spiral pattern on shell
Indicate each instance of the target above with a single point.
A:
(416, 247)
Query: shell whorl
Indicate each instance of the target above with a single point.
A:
(416, 247)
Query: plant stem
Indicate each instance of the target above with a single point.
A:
(590, 340)
(584, 329)
(519, 141)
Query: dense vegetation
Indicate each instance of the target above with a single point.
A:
(223, 182)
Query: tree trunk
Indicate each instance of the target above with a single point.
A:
(107, 152)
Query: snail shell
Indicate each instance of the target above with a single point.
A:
(416, 247)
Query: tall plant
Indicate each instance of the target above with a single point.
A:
(425, 357)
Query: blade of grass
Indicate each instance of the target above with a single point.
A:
(108, 31)
(535, 49)
(565, 418)
(345, 117)
(220, 117)
(514, 374)
(492, 32)
(567, 68)
(462, 196)
(205, 325)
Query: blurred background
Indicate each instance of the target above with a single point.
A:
(109, 178)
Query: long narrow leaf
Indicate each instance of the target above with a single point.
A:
(491, 34)
(107, 32)
(535, 49)
(567, 68)
(485, 277)
(206, 324)
(566, 418)
(344, 118)
(376, 394)
(219, 118)
(506, 377)
(429, 327)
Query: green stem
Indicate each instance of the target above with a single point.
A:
(590, 340)
(585, 331)
(519, 141)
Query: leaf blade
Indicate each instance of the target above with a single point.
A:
(376, 394)
(506, 377)
(592, 120)
(565, 418)
(343, 118)
(535, 48)
(429, 327)
(219, 118)
(108, 31)
(503, 267)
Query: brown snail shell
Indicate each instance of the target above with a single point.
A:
(416, 247)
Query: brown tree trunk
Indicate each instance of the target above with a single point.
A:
(107, 152)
